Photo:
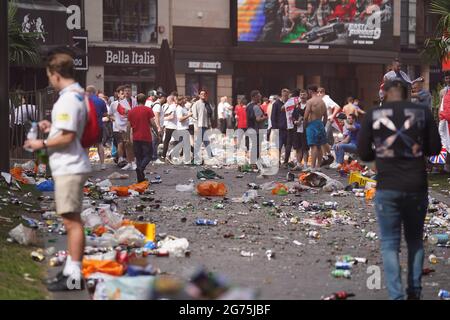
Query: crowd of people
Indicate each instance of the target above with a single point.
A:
(397, 135)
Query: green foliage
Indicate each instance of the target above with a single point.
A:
(437, 47)
(23, 47)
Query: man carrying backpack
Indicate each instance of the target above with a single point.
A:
(255, 120)
(68, 161)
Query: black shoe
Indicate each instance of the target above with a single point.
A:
(122, 164)
(413, 296)
(327, 162)
(65, 283)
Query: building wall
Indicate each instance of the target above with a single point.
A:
(95, 77)
(369, 80)
(181, 84)
(93, 12)
(201, 13)
(224, 86)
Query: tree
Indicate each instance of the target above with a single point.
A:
(23, 47)
(437, 47)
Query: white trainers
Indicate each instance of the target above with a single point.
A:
(159, 162)
(133, 166)
(128, 167)
(334, 165)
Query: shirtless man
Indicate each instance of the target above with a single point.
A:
(316, 119)
(331, 125)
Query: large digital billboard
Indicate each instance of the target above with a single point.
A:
(349, 23)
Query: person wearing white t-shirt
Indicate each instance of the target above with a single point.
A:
(170, 122)
(222, 110)
(118, 114)
(332, 110)
(69, 163)
(183, 115)
(159, 120)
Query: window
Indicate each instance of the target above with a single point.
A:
(408, 22)
(197, 82)
(130, 21)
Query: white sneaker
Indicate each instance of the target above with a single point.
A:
(133, 166)
(159, 162)
(103, 167)
(334, 165)
(128, 167)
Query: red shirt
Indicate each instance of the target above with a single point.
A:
(241, 112)
(264, 107)
(139, 119)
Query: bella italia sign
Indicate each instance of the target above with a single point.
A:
(124, 56)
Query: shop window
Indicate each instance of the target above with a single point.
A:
(197, 82)
(130, 20)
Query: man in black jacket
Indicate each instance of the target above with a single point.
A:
(279, 120)
(404, 134)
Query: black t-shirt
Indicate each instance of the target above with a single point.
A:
(404, 134)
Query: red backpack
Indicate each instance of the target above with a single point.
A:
(91, 133)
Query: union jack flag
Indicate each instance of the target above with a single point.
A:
(440, 159)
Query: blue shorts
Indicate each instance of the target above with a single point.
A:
(315, 133)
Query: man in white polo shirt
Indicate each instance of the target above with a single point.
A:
(68, 161)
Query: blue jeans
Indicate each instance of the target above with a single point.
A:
(393, 209)
(341, 149)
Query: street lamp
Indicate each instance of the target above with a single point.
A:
(4, 88)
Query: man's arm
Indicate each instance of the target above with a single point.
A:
(365, 139)
(274, 116)
(61, 140)
(307, 112)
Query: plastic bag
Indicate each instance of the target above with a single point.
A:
(106, 266)
(351, 167)
(17, 174)
(139, 187)
(208, 175)
(46, 186)
(111, 219)
(313, 179)
(105, 241)
(268, 186)
(116, 176)
(105, 184)
(121, 191)
(185, 187)
(176, 247)
(23, 235)
(247, 197)
(130, 236)
(212, 189)
(125, 288)
(333, 185)
(280, 190)
(370, 194)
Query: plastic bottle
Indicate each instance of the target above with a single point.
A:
(32, 134)
(439, 238)
(343, 265)
(341, 274)
(341, 295)
(206, 222)
(444, 295)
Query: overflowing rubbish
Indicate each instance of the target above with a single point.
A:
(24, 236)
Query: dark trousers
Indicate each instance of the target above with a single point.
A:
(222, 125)
(143, 152)
(167, 139)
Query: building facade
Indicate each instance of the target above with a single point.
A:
(231, 47)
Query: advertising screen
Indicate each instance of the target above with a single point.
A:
(347, 23)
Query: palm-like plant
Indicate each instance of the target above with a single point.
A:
(23, 47)
(437, 48)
